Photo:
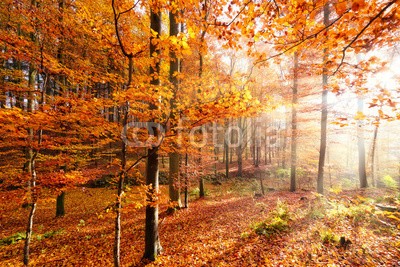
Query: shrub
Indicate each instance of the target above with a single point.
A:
(276, 223)
(273, 226)
(328, 237)
(12, 239)
(282, 173)
(389, 182)
(22, 236)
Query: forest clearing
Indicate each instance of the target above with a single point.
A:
(223, 229)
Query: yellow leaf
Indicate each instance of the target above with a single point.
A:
(359, 116)
(191, 33)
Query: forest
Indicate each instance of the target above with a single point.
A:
(199, 133)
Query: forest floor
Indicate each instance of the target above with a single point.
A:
(229, 227)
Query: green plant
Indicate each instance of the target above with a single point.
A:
(276, 223)
(244, 235)
(269, 227)
(53, 233)
(22, 236)
(282, 173)
(389, 182)
(281, 211)
(328, 237)
(12, 239)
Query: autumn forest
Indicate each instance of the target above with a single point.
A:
(199, 133)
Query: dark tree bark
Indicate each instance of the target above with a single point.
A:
(186, 201)
(226, 151)
(174, 157)
(240, 147)
(324, 113)
(201, 63)
(60, 205)
(152, 242)
(123, 173)
(294, 125)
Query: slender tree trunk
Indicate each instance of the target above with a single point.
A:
(329, 167)
(284, 145)
(31, 166)
(118, 202)
(226, 150)
(231, 149)
(361, 148)
(246, 140)
(60, 204)
(201, 63)
(202, 190)
(215, 161)
(262, 184)
(374, 140)
(174, 158)
(257, 148)
(324, 113)
(173, 180)
(186, 182)
(294, 125)
(32, 185)
(152, 242)
(240, 148)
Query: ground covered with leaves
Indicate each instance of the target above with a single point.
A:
(230, 227)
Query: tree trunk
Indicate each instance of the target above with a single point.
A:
(240, 147)
(374, 140)
(60, 206)
(186, 182)
(284, 144)
(152, 242)
(122, 176)
(361, 148)
(201, 63)
(32, 161)
(294, 125)
(262, 184)
(32, 186)
(173, 179)
(324, 113)
(118, 202)
(226, 151)
(202, 192)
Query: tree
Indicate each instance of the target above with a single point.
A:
(324, 111)
(294, 124)
(373, 151)
(361, 147)
(152, 241)
(174, 156)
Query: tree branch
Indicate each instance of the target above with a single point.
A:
(116, 18)
(314, 35)
(360, 33)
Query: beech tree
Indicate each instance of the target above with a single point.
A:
(152, 241)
